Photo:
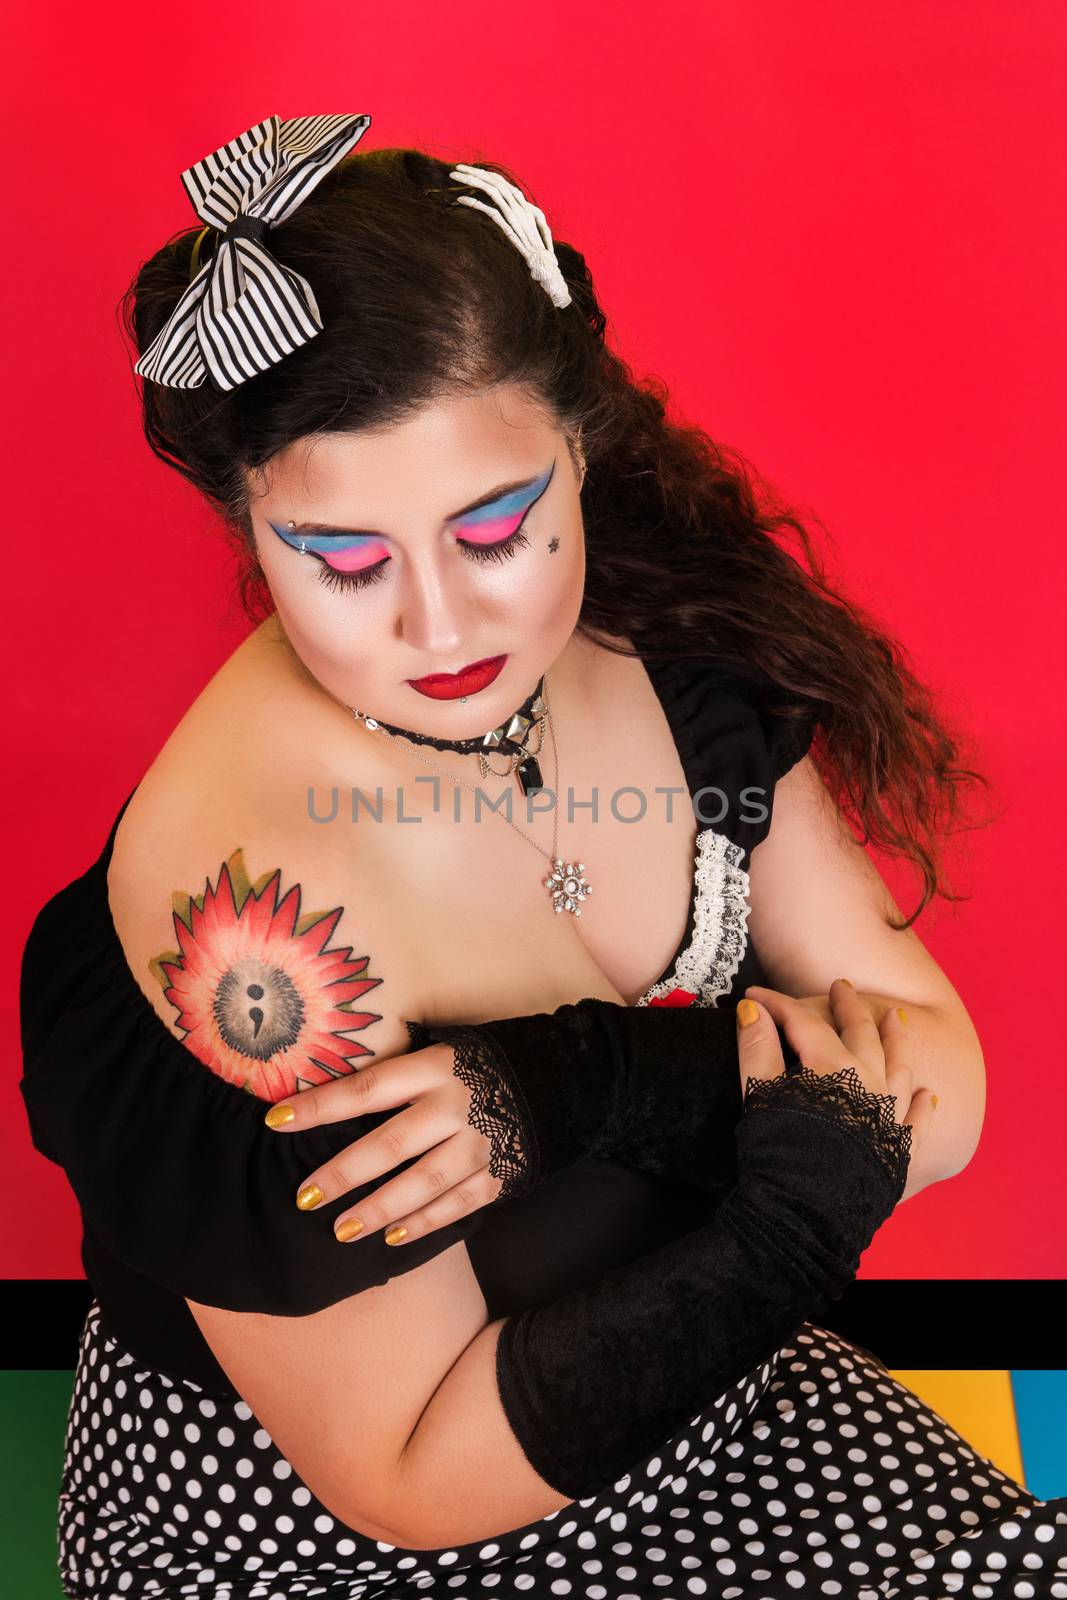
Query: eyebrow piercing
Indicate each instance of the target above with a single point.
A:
(303, 547)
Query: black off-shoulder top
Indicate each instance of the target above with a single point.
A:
(184, 1191)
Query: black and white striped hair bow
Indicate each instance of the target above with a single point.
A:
(243, 310)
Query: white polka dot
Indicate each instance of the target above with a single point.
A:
(751, 1506)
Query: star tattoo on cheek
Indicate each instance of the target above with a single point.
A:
(553, 545)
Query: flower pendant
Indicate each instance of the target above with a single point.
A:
(568, 885)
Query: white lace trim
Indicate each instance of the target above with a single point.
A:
(708, 964)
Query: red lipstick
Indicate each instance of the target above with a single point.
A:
(450, 685)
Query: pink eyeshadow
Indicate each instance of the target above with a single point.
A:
(353, 559)
(494, 530)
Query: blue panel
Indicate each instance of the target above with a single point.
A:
(1041, 1414)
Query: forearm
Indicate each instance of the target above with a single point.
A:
(656, 1088)
(591, 1384)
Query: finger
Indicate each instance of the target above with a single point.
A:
(857, 1028)
(820, 1004)
(412, 1133)
(393, 1207)
(897, 1050)
(759, 1049)
(379, 1086)
(815, 1041)
(919, 1116)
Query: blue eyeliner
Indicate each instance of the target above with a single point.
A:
(331, 543)
(326, 543)
(511, 503)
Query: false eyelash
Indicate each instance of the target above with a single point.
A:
(359, 580)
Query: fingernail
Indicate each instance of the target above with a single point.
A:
(309, 1197)
(747, 1011)
(278, 1116)
(903, 1015)
(395, 1234)
(852, 986)
(348, 1229)
(933, 1101)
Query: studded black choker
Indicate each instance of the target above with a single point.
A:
(509, 738)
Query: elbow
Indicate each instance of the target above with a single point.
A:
(966, 1130)
(935, 1161)
(424, 1521)
(371, 1527)
(408, 1530)
(377, 1511)
(970, 1138)
(955, 1129)
(397, 1517)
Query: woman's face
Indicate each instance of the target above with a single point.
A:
(429, 545)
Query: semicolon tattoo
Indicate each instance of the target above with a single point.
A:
(264, 1000)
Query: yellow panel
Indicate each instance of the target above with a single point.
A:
(981, 1408)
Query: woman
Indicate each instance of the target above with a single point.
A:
(566, 1349)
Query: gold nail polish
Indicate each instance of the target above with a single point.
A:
(852, 986)
(348, 1229)
(747, 1012)
(309, 1197)
(395, 1234)
(903, 1015)
(278, 1116)
(933, 1101)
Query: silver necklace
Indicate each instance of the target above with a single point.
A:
(567, 883)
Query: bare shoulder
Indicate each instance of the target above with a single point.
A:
(270, 944)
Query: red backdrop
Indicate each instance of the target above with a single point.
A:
(837, 233)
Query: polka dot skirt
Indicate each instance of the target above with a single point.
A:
(817, 1475)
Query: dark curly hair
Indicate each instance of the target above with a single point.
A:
(422, 298)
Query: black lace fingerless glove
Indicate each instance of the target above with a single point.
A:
(658, 1087)
(595, 1381)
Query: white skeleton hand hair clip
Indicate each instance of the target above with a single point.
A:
(523, 222)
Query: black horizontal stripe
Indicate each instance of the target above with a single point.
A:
(909, 1324)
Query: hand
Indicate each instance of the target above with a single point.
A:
(879, 1051)
(453, 1179)
(820, 1004)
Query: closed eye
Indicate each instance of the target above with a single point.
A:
(502, 550)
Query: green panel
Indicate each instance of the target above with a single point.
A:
(34, 1407)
